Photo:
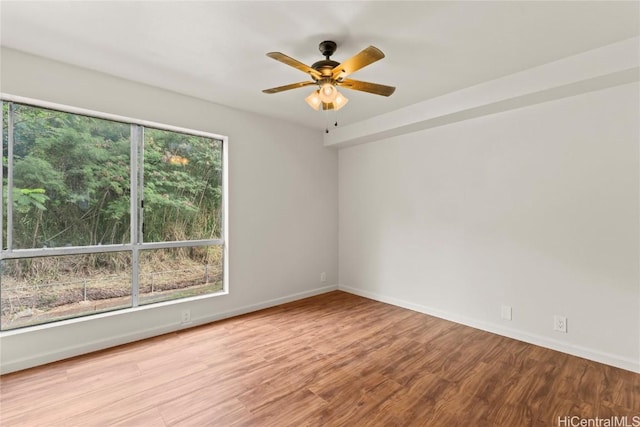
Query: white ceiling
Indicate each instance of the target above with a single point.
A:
(215, 50)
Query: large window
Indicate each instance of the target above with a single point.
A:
(102, 213)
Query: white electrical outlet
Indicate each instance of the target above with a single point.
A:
(560, 323)
(186, 316)
(506, 312)
(323, 277)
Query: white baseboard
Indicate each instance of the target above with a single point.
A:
(41, 358)
(574, 350)
(265, 304)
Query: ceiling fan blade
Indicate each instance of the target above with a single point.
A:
(295, 64)
(374, 88)
(288, 87)
(356, 62)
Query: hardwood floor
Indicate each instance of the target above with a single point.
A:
(332, 360)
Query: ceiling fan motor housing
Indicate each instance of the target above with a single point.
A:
(325, 67)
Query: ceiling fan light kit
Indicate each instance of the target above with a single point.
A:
(328, 75)
(314, 100)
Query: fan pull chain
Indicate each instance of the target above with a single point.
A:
(326, 121)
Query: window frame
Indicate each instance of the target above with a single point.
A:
(136, 239)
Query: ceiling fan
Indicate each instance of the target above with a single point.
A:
(328, 74)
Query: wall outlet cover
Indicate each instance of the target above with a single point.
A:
(506, 312)
(560, 323)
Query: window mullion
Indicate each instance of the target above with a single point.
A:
(133, 166)
(135, 189)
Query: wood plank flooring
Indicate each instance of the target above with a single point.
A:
(332, 360)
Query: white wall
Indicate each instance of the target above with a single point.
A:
(535, 208)
(282, 207)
